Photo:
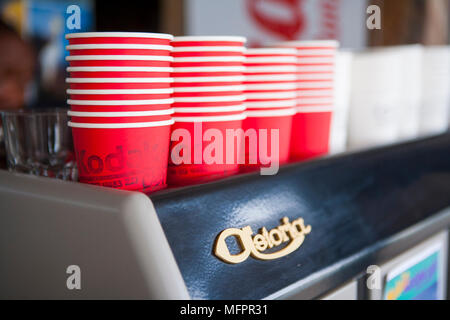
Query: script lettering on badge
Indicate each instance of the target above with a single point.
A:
(292, 232)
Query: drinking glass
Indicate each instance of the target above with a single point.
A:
(39, 143)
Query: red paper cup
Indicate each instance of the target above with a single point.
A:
(310, 134)
(119, 49)
(119, 105)
(119, 61)
(209, 110)
(270, 52)
(119, 86)
(119, 37)
(207, 81)
(195, 41)
(280, 120)
(271, 70)
(270, 96)
(120, 117)
(211, 91)
(217, 61)
(272, 78)
(178, 115)
(123, 156)
(208, 104)
(207, 64)
(271, 104)
(123, 108)
(119, 72)
(187, 135)
(214, 99)
(119, 83)
(125, 94)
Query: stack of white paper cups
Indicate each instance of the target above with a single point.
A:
(436, 93)
(376, 98)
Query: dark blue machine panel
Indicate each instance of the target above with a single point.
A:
(351, 201)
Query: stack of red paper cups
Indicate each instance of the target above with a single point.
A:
(315, 98)
(208, 100)
(270, 101)
(121, 106)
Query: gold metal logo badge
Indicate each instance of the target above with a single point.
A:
(293, 232)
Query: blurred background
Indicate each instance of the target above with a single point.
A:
(42, 25)
(32, 44)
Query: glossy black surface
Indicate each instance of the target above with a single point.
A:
(354, 203)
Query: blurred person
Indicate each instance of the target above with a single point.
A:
(17, 65)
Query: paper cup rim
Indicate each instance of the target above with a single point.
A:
(272, 95)
(272, 86)
(96, 57)
(310, 43)
(209, 39)
(273, 104)
(119, 69)
(209, 88)
(271, 113)
(205, 79)
(274, 69)
(210, 99)
(209, 69)
(118, 114)
(119, 102)
(120, 91)
(121, 125)
(314, 109)
(77, 35)
(120, 80)
(158, 47)
(271, 60)
(235, 117)
(209, 59)
(209, 49)
(272, 78)
(268, 51)
(210, 109)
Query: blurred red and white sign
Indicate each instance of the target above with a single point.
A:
(267, 21)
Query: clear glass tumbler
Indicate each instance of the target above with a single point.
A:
(39, 143)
